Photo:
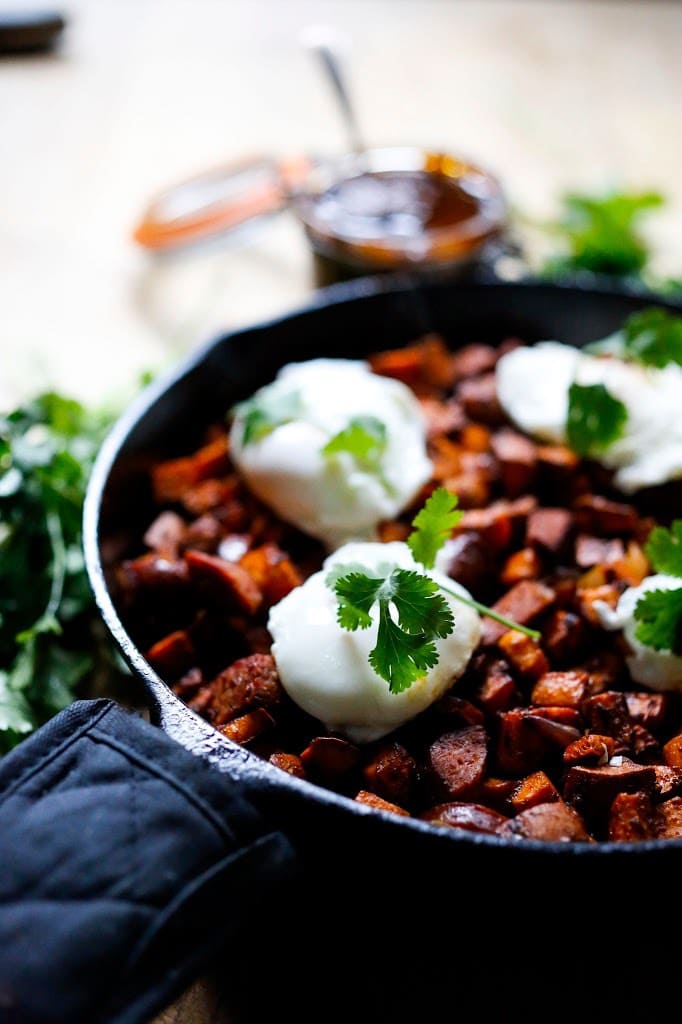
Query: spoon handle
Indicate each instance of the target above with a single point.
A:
(324, 42)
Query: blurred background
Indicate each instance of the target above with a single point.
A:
(549, 94)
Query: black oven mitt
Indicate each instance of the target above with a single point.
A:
(125, 863)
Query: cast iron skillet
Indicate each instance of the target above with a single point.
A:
(394, 919)
(169, 418)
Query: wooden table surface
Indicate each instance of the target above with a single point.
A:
(550, 94)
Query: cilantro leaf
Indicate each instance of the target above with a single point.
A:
(365, 440)
(653, 337)
(267, 410)
(405, 648)
(356, 592)
(664, 548)
(595, 418)
(601, 233)
(433, 524)
(659, 614)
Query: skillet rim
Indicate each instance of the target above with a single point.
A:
(205, 740)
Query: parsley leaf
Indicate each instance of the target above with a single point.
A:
(267, 410)
(664, 548)
(595, 418)
(601, 233)
(659, 614)
(653, 337)
(405, 649)
(433, 524)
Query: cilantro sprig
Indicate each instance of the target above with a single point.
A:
(595, 418)
(266, 411)
(602, 233)
(413, 613)
(405, 649)
(659, 612)
(433, 525)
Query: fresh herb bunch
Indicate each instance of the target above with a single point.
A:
(659, 612)
(602, 233)
(413, 613)
(47, 645)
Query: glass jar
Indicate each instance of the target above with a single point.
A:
(399, 208)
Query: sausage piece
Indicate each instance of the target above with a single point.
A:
(457, 761)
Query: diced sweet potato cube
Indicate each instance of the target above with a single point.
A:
(249, 682)
(521, 565)
(289, 763)
(372, 800)
(429, 362)
(272, 570)
(520, 748)
(523, 603)
(551, 822)
(446, 457)
(469, 561)
(470, 817)
(549, 529)
(497, 691)
(457, 761)
(669, 819)
(330, 758)
(631, 818)
(173, 654)
(563, 636)
(459, 710)
(633, 566)
(205, 534)
(560, 689)
(604, 517)
(441, 417)
(475, 438)
(225, 581)
(557, 725)
(393, 531)
(590, 750)
(478, 396)
(604, 671)
(247, 727)
(501, 522)
(172, 479)
(647, 709)
(517, 458)
(557, 461)
(672, 752)
(473, 360)
(523, 653)
(591, 550)
(496, 792)
(609, 594)
(593, 790)
(668, 781)
(535, 789)
(643, 745)
(392, 774)
(209, 495)
(471, 485)
(607, 713)
(166, 534)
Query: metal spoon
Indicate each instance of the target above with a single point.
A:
(327, 45)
